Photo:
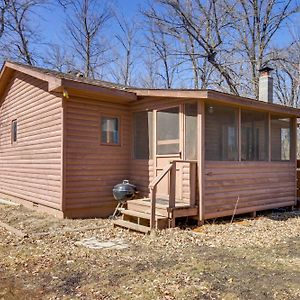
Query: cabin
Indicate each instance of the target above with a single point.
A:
(65, 141)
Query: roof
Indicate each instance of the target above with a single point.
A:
(70, 75)
(221, 97)
(58, 82)
(81, 86)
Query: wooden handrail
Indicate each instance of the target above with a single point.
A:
(157, 179)
(172, 169)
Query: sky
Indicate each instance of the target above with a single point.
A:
(51, 25)
(51, 20)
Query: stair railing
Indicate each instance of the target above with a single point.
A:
(171, 168)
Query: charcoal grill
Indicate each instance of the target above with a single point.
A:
(123, 192)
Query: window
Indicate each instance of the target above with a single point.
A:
(280, 138)
(14, 131)
(254, 136)
(221, 141)
(191, 131)
(167, 131)
(110, 131)
(142, 134)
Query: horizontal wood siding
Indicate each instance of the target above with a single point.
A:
(257, 185)
(141, 174)
(93, 169)
(30, 169)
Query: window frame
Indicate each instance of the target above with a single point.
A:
(13, 125)
(119, 130)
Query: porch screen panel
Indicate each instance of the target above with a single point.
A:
(142, 135)
(254, 136)
(280, 138)
(191, 136)
(167, 131)
(221, 139)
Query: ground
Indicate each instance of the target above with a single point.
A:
(247, 259)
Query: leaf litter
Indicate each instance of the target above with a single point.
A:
(248, 259)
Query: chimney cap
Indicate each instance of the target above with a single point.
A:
(265, 69)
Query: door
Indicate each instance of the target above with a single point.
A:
(168, 146)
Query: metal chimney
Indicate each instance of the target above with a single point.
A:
(265, 85)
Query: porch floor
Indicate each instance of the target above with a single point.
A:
(138, 214)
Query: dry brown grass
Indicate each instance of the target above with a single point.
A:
(248, 259)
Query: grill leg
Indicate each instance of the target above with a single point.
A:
(120, 205)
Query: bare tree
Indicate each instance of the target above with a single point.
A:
(194, 18)
(254, 26)
(287, 75)
(163, 51)
(85, 24)
(19, 36)
(194, 63)
(126, 52)
(58, 58)
(233, 36)
(4, 4)
(148, 74)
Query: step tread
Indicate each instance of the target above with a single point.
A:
(132, 226)
(143, 215)
(145, 203)
(147, 210)
(142, 201)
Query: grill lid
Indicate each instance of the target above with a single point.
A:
(125, 186)
(124, 191)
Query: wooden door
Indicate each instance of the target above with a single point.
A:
(168, 146)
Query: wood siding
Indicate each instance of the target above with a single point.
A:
(258, 185)
(31, 168)
(141, 174)
(93, 169)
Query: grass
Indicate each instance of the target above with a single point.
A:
(251, 259)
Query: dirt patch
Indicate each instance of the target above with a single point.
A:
(248, 259)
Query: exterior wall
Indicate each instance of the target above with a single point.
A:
(141, 174)
(259, 186)
(30, 169)
(92, 169)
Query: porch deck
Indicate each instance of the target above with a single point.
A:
(158, 212)
(137, 216)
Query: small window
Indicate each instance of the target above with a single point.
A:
(110, 131)
(14, 131)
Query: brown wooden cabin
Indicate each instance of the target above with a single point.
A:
(65, 141)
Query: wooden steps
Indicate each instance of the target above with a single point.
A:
(141, 215)
(143, 205)
(137, 215)
(132, 226)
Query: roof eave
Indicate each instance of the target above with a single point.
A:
(54, 83)
(252, 103)
(57, 85)
(168, 93)
(80, 88)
